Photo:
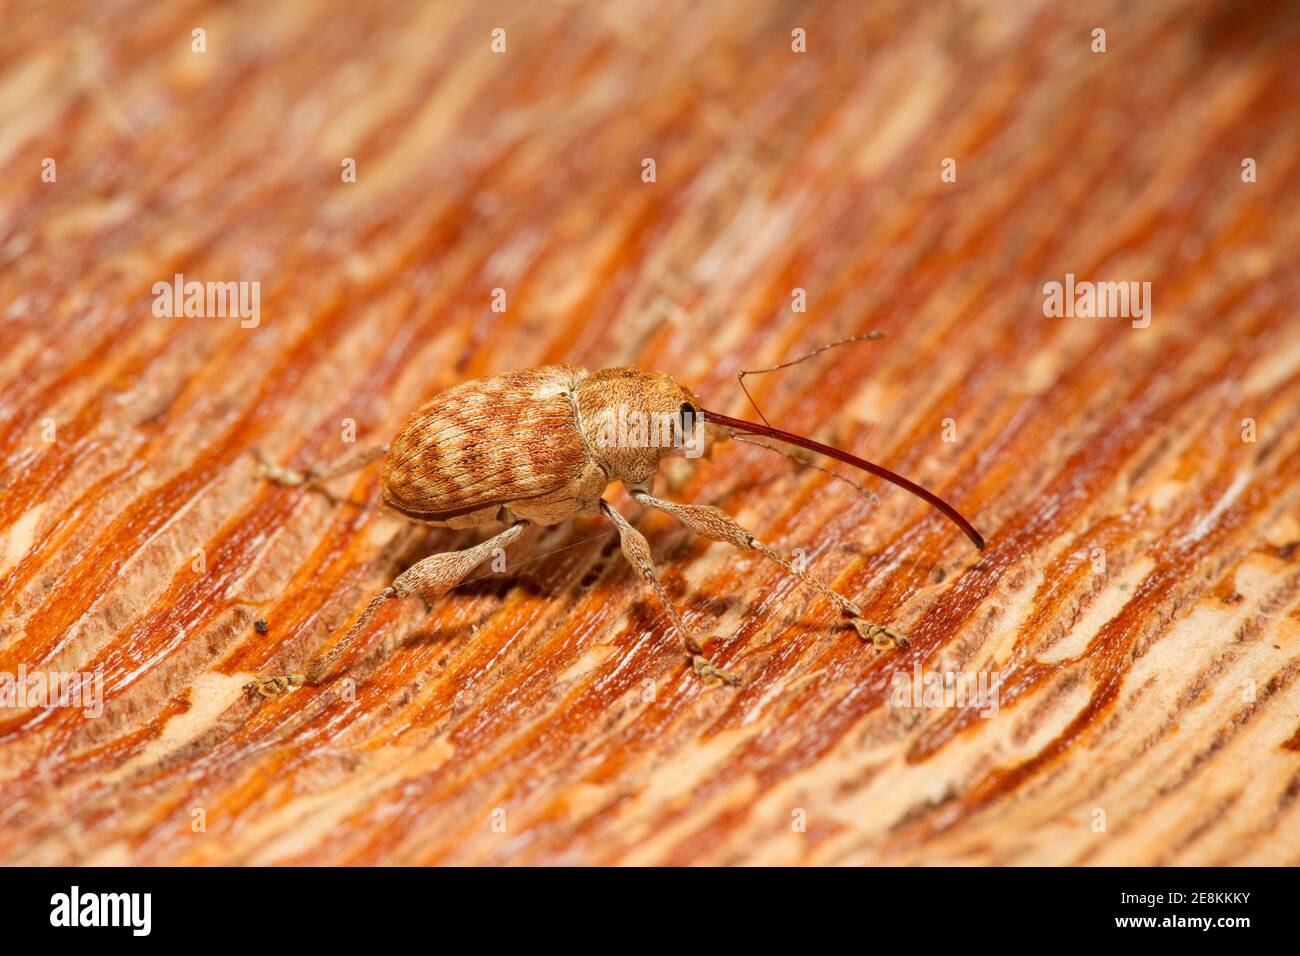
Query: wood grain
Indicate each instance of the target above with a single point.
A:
(1140, 593)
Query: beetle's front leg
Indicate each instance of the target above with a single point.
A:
(430, 578)
(716, 524)
(637, 551)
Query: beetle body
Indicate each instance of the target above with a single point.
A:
(537, 446)
(529, 445)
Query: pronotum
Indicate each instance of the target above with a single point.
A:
(540, 445)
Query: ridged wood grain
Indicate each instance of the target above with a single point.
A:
(1158, 688)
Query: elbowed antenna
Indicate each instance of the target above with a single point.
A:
(740, 426)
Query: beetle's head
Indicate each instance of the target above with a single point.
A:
(632, 419)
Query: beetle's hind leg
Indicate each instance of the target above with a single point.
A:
(637, 551)
(314, 477)
(430, 578)
(716, 524)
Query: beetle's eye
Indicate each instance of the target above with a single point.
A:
(687, 415)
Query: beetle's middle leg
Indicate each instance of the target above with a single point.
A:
(716, 524)
(430, 578)
(637, 551)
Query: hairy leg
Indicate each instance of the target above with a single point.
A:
(716, 524)
(637, 551)
(315, 477)
(430, 578)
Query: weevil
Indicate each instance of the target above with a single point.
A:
(538, 446)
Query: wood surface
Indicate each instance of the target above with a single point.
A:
(1141, 588)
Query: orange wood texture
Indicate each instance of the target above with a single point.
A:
(1140, 593)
